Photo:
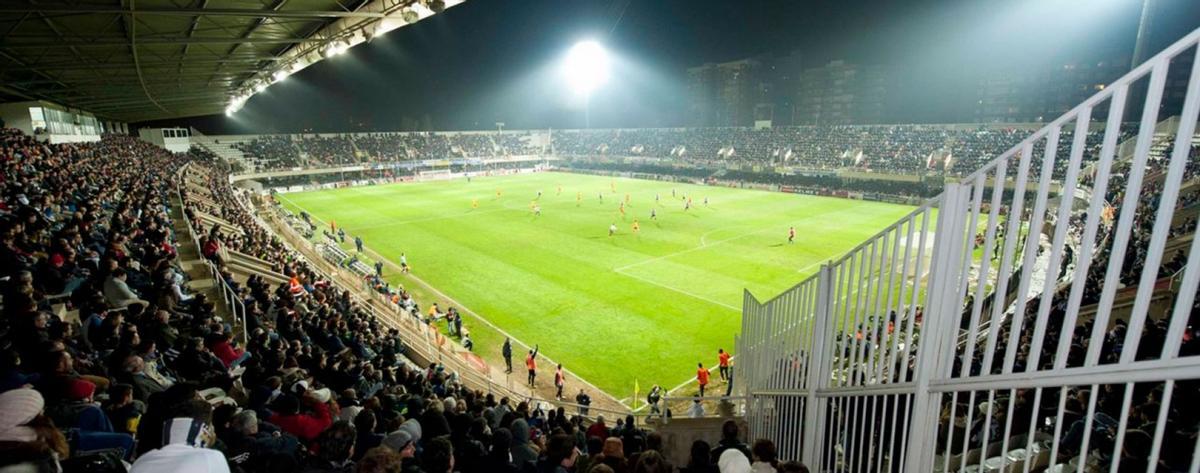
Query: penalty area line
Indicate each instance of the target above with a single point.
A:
(681, 291)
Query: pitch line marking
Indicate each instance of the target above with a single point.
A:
(681, 291)
(466, 309)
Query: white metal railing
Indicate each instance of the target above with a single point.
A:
(233, 301)
(891, 359)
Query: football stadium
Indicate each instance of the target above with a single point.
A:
(599, 237)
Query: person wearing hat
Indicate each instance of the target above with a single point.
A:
(402, 442)
(26, 436)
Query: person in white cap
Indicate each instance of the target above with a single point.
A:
(186, 438)
(733, 461)
(20, 411)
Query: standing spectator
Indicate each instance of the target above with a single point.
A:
(701, 377)
(696, 410)
(723, 363)
(379, 268)
(699, 460)
(531, 365)
(598, 429)
(358, 243)
(560, 456)
(560, 381)
(765, 457)
(729, 441)
(506, 351)
(653, 399)
(793, 467)
(438, 456)
(733, 462)
(584, 401)
(186, 437)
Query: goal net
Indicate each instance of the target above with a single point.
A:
(434, 175)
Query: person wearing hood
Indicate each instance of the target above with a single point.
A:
(499, 457)
(613, 455)
(733, 461)
(523, 452)
(186, 437)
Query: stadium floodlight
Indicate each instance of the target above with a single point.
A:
(281, 74)
(261, 86)
(586, 67)
(335, 48)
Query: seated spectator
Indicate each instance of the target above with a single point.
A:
(117, 292)
(333, 449)
(304, 425)
(186, 437)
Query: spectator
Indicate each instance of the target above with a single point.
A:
(186, 438)
(333, 449)
(700, 460)
(438, 456)
(729, 440)
(733, 461)
(304, 425)
(765, 458)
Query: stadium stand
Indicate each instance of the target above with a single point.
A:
(116, 334)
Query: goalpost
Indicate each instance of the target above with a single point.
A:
(434, 175)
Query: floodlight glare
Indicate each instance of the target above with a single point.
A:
(281, 75)
(586, 67)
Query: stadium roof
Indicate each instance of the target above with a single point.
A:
(136, 60)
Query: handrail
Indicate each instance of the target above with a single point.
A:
(236, 306)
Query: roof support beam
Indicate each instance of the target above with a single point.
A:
(242, 12)
(42, 43)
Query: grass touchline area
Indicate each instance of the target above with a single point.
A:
(644, 305)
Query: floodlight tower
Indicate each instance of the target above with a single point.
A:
(586, 69)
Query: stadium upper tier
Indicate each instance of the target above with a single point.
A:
(889, 149)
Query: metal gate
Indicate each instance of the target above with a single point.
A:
(1011, 323)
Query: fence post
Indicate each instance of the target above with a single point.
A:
(819, 366)
(938, 325)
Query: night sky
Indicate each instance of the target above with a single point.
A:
(496, 60)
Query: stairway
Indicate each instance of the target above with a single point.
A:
(226, 151)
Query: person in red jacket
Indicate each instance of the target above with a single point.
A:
(305, 426)
(723, 361)
(221, 345)
(701, 377)
(531, 365)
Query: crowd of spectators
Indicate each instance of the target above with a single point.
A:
(324, 151)
(272, 152)
(153, 375)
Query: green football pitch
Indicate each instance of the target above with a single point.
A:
(644, 306)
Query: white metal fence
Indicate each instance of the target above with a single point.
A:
(1009, 324)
